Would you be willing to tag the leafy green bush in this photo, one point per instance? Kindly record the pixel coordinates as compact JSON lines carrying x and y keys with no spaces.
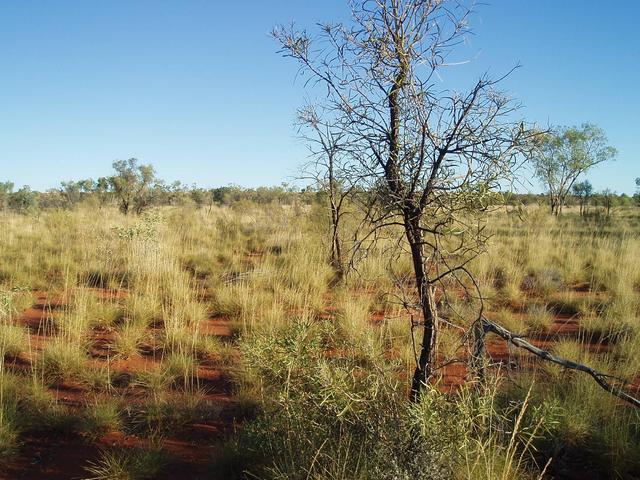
{"x":328,"y":414}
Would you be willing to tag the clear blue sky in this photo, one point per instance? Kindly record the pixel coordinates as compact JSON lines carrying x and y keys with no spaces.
{"x":196,"y":88}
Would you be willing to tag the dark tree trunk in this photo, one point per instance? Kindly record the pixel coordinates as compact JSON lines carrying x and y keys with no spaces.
{"x":411,"y":219}
{"x":336,"y":251}
{"x":428,"y":309}
{"x":477,"y":363}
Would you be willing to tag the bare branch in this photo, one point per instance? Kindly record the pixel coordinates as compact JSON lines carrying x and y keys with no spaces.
{"x":599,"y":377}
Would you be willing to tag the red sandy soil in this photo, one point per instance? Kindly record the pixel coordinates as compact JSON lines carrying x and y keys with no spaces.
{"x":513,"y":359}
{"x":44,"y":457}
{"x":54,"y":458}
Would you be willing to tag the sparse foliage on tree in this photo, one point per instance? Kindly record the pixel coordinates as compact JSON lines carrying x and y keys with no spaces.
{"x":133,"y":185}
{"x":199,"y":196}
{"x":23,"y":200}
{"x":430,"y":158}
{"x":5,"y":191}
{"x":329,"y":169}
{"x":102,"y":190}
{"x":562,"y":155}
{"x":608,"y":200}
{"x":74,"y":191}
{"x":583,"y":191}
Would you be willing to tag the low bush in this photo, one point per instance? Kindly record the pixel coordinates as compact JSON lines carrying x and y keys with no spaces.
{"x":333,"y":417}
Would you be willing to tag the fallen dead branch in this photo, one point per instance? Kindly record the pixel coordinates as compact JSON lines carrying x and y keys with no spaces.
{"x":601,"y":379}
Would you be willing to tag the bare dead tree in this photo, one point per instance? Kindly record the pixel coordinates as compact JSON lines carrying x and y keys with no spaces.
{"x":430,"y":158}
{"x":328,"y":169}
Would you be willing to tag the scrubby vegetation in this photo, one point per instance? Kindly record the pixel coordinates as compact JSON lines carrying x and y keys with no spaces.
{"x":125,"y":335}
{"x":401,"y":318}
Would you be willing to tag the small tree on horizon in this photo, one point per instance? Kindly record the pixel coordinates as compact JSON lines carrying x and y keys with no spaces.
{"x":133,"y":185}
{"x":23,"y":200}
{"x":609,"y":200}
{"x":73,"y":191}
{"x":562,"y":155}
{"x":583,"y":190}
{"x":6,"y":188}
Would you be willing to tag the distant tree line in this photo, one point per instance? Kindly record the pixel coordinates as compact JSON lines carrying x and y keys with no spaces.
{"x":23,"y":200}
{"x":581,"y":196}
{"x":134,"y":187}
